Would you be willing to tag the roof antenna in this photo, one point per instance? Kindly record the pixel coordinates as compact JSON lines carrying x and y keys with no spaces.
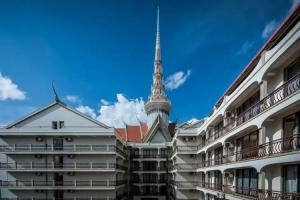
{"x":54,"y":91}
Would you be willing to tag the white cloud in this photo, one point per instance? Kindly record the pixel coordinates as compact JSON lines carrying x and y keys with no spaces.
{"x":245,"y":48}
{"x":294,"y":4}
{"x":177,"y":79}
{"x":87,"y":111}
{"x":9,"y":90}
{"x":123,"y":110}
{"x":104,"y":102}
{"x":73,"y":99}
{"x":269,"y":29}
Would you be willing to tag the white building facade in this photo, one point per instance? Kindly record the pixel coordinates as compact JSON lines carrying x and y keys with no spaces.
{"x":247,"y":148}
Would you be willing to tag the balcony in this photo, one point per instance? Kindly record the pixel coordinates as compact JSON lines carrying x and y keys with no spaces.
{"x":254,"y":193}
{"x":187,"y":166}
{"x":154,"y":156}
{"x":273,"y":148}
{"x":187,"y":184}
{"x":66,"y":149}
{"x":185,"y":149}
{"x":149,"y":181}
{"x":147,"y":169}
{"x":75,"y":198}
{"x":75,"y":184}
{"x":74,"y":166}
{"x":287,"y":89}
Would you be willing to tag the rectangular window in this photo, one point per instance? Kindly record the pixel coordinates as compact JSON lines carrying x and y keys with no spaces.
{"x":54,"y":124}
{"x":291,"y":70}
{"x":61,"y":124}
{"x":245,"y":146}
{"x":247,"y":181}
{"x":291,"y":179}
{"x":248,"y":103}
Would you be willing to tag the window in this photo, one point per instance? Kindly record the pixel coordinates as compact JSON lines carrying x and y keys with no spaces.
{"x":292,"y":70}
{"x":218,"y":130}
{"x":218,"y":155}
{"x":247,"y":181}
{"x":58,"y":124}
{"x":61,"y":124}
{"x":248,"y":103}
{"x":291,"y":124}
{"x":163,"y":153}
{"x":291,"y":178}
{"x":247,"y":142}
{"x":54,"y":124}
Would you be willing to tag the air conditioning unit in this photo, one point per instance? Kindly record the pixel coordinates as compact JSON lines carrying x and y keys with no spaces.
{"x":71,"y":173}
{"x":193,"y":156}
{"x":69,"y":139}
{"x":229,"y":145}
{"x":38,"y":156}
{"x":71,"y":156}
{"x":39,"y":139}
{"x":38,"y":173}
{"x":229,"y":114}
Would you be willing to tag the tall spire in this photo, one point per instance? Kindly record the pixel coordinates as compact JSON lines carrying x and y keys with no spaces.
{"x":158,"y":102}
{"x":158,"y":88}
{"x":157,"y":46}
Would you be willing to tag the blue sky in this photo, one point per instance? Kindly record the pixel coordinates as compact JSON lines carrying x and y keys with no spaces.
{"x":100,"y":53}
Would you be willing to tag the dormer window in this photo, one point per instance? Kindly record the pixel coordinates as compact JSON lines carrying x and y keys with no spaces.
{"x":58,"y":124}
{"x":61,"y":124}
{"x":54,"y":125}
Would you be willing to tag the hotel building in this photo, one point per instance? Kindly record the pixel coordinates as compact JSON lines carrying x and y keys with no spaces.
{"x":247,"y":148}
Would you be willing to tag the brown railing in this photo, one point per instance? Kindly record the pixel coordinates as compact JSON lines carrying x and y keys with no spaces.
{"x":260,"y":194}
{"x":283,"y":145}
{"x":287,"y":89}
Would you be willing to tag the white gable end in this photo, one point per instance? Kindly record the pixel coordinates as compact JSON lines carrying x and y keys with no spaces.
{"x":57,"y":112}
{"x":158,"y":137}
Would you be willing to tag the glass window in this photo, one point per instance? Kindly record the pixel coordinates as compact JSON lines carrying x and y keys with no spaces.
{"x":291,"y":179}
{"x":292,"y":70}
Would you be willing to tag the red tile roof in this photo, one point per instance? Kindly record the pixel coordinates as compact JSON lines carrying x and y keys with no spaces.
{"x":136,"y":133}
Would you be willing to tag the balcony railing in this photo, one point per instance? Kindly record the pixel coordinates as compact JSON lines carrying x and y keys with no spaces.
{"x":52,"y":165}
{"x":74,"y":198}
{"x":154,"y":181}
{"x":149,"y":156}
{"x":287,"y":89}
{"x":20,"y":148}
{"x":74,"y":184}
{"x":280,"y":146}
{"x":187,"y":149}
{"x":161,"y":168}
{"x":255,"y":193}
{"x":187,"y":166}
